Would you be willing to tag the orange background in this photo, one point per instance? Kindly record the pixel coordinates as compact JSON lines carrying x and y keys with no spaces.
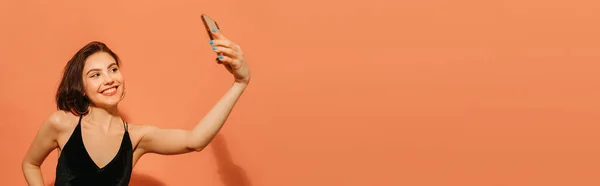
{"x":348,"y":93}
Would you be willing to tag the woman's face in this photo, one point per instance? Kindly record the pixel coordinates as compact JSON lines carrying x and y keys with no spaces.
{"x":102,"y":80}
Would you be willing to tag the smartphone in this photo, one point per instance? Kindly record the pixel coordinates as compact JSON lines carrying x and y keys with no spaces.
{"x":210,"y":25}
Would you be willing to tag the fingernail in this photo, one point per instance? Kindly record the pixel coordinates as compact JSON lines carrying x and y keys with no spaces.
{"x":211,"y":42}
{"x":214,"y":48}
{"x":214,"y":30}
{"x":220,"y":57}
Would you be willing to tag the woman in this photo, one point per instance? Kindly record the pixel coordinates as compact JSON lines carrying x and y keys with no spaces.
{"x":96,"y":147}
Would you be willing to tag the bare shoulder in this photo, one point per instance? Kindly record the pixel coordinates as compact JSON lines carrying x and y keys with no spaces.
{"x":61,"y":121}
{"x":137,"y":133}
{"x":140,"y":129}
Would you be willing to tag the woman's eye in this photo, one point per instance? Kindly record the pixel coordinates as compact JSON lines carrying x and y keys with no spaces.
{"x":94,"y":75}
{"x":115,"y":69}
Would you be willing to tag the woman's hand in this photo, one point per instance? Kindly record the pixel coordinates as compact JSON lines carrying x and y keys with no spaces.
{"x":231,"y":56}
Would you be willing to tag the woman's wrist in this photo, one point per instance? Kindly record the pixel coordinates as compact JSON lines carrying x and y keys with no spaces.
{"x":240,"y":84}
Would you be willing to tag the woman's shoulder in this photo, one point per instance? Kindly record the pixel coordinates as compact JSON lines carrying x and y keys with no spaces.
{"x":140,"y":128}
{"x":61,"y":120}
{"x":138,"y":131}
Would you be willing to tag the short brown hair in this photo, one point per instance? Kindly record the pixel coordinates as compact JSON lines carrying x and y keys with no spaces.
{"x":70,"y":94}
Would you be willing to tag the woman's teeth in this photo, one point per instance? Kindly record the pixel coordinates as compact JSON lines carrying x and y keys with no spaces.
{"x":111,"y":90}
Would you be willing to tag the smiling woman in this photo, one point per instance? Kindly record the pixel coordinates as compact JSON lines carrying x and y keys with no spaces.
{"x":71,"y":95}
{"x":95,"y":145}
{"x":103,"y":79}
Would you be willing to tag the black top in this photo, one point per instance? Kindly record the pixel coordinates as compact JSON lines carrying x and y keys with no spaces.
{"x":75,"y":166}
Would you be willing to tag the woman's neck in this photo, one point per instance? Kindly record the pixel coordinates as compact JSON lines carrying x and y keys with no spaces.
{"x":103,"y":117}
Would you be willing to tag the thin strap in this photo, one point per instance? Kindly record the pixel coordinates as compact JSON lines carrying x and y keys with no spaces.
{"x":125,"y":124}
{"x":80,"y":116}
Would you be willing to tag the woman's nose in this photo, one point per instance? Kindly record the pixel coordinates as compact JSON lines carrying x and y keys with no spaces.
{"x":108,"y":80}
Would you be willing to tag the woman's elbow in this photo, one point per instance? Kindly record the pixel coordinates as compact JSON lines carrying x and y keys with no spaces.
{"x":26,"y":163}
{"x":196,"y":147}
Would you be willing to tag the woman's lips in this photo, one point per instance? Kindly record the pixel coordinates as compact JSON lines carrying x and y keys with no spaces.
{"x":110,"y":91}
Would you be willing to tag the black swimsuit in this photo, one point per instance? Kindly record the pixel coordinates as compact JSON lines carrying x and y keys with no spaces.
{"x":75,"y":166}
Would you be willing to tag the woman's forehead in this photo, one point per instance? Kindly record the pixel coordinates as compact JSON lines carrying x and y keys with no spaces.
{"x":99,"y":60}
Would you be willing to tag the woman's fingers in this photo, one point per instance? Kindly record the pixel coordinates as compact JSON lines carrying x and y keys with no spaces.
{"x":229,"y":52}
{"x":223,"y":43}
{"x":225,"y":59}
{"x":225,"y":51}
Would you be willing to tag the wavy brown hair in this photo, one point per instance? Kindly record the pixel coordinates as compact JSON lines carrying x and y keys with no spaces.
{"x":70,"y":94}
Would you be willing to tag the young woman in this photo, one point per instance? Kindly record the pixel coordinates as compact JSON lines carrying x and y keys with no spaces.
{"x":96,"y":147}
